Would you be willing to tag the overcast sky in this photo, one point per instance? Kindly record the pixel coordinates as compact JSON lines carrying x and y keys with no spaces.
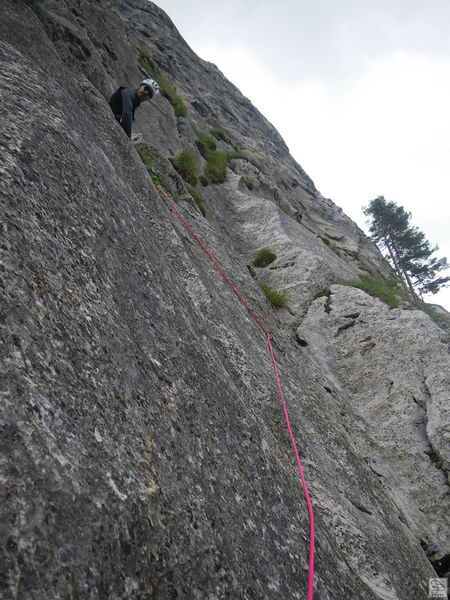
{"x":359,"y":90}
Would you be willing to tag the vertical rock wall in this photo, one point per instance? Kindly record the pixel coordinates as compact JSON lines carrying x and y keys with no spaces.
{"x":144,"y":453}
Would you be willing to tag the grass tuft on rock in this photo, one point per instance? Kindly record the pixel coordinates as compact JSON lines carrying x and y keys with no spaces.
{"x":198,"y":199}
{"x":264,"y":257}
{"x":147,"y":159}
{"x":384,"y":289}
{"x":216,"y":166}
{"x":205,"y":142}
{"x":216,"y":162}
{"x":276,"y":298}
{"x":185,"y":165}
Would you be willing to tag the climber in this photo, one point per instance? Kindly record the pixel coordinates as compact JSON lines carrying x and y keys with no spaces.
{"x":125,"y":101}
{"x":324,"y":240}
{"x":299,"y":216}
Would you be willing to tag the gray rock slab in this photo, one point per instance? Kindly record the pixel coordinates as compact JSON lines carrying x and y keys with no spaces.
{"x":144,"y":452}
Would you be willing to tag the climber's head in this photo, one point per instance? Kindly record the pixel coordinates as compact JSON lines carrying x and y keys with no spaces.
{"x":147,"y":89}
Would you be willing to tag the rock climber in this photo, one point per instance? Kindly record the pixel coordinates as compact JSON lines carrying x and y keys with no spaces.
{"x":299,"y":216}
{"x":125,"y":101}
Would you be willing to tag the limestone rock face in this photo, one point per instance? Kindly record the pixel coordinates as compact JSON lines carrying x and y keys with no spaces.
{"x":389,"y":371}
{"x":144,"y":449}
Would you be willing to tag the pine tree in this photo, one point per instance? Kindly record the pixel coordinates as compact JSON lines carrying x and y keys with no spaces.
{"x":408,"y":250}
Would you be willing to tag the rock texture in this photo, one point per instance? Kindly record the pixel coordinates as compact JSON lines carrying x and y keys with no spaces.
{"x":388,"y":370}
{"x":144,"y":451}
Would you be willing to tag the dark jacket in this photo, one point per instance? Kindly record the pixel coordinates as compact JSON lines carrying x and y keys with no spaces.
{"x":123,"y":103}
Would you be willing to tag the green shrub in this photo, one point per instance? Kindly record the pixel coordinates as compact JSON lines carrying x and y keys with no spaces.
{"x":216,"y":166}
{"x":276,"y":298}
{"x":179,"y":108}
{"x":198,"y":199}
{"x":185,"y":165}
{"x":385,"y":289}
{"x":216,"y":162}
{"x":249,"y":182}
{"x":205,"y":142}
{"x":264,"y":257}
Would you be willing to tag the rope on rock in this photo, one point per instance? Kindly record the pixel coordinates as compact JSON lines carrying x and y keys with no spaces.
{"x":300,"y":470}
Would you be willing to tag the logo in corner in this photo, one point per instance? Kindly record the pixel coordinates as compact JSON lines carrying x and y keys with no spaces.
{"x":437,"y":588}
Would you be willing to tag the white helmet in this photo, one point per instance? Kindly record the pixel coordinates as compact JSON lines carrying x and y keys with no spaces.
{"x":152,"y":84}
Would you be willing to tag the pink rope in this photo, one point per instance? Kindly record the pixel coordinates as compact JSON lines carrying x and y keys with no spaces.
{"x":305,"y":490}
{"x":211,"y":258}
{"x":300,"y":470}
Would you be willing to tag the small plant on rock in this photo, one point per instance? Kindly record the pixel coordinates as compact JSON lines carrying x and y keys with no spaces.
{"x":185,"y":165}
{"x":216,"y":166}
{"x":205,"y":142}
{"x":198,"y":199}
{"x":435,"y":458}
{"x":386,"y":289}
{"x":276,"y":298}
{"x":264,"y":257}
{"x":216,"y":161}
{"x":147,"y":159}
